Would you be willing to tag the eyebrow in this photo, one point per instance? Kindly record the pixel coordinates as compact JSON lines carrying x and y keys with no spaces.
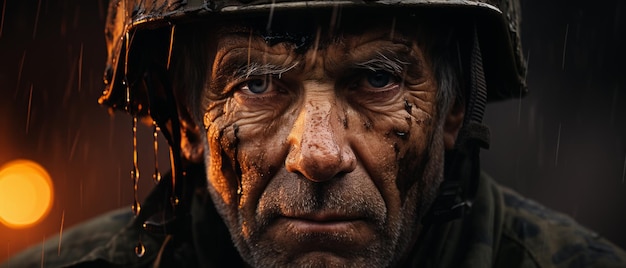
{"x":396,"y":59}
{"x":391,"y":63}
{"x":257,"y":69}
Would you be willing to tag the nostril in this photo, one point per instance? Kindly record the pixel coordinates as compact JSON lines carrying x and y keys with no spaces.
{"x":319,"y":167}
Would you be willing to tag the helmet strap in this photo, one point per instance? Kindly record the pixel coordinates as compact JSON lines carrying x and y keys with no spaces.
{"x":462,"y":164}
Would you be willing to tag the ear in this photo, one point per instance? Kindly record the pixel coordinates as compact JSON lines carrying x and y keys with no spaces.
{"x":453,"y":123}
{"x":190,"y":140}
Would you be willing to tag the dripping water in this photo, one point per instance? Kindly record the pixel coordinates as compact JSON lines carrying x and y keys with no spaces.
{"x":140,"y":249}
{"x":249,"y":50}
{"x":36,"y":19}
{"x":30,"y":100}
{"x":169,"y":53}
{"x":268,"y":27}
{"x":156,"y":177}
{"x":134,"y":173}
{"x":19,"y":74}
{"x":80,"y":68}
{"x":173,"y":199}
{"x":61,"y":232}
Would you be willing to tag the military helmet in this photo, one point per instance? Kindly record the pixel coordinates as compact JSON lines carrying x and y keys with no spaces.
{"x":497,"y":29}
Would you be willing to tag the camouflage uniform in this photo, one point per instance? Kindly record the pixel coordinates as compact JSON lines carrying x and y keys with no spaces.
{"x":502,"y":230}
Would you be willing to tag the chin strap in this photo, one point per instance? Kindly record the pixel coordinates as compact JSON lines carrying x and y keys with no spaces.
{"x":462,"y":165}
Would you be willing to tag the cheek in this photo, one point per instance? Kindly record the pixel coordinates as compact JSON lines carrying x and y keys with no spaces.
{"x":247,"y":146}
{"x":221,"y":140}
{"x":392,"y":142}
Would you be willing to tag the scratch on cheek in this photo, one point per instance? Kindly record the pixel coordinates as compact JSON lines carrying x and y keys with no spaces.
{"x":424,"y":122}
{"x":408,"y":106}
{"x":367,"y":124}
{"x":235,"y":160}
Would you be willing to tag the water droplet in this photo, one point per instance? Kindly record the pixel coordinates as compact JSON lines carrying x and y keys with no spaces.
{"x":140,"y":249}
{"x":174,"y":200}
{"x":136,"y":207}
{"x":156,"y":177}
{"x":134,"y":173}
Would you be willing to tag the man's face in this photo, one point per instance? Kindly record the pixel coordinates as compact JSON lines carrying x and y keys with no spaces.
{"x":327,"y":156}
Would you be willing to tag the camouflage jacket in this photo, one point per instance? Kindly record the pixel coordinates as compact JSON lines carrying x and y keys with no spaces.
{"x":502,"y":230}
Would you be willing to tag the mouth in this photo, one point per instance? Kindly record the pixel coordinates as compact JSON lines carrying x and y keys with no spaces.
{"x":323,"y":223}
{"x":326,"y":232}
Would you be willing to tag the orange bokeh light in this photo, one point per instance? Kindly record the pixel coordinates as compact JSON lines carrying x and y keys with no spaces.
{"x":26,"y":193}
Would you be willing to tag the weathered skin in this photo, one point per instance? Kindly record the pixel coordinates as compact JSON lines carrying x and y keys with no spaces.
{"x":335,"y":163}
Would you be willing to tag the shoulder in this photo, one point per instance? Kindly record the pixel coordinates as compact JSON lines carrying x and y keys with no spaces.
{"x":74,"y":243}
{"x":535,"y":234}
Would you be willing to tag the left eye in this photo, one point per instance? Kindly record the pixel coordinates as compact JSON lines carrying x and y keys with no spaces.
{"x":256,"y":86}
{"x":379,"y":79}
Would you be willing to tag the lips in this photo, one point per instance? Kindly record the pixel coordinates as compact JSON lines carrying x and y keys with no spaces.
{"x":325,"y":217}
{"x":321,"y":232}
{"x":331,"y":223}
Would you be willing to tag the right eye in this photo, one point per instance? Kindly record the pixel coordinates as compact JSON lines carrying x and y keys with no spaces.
{"x":379,"y":79}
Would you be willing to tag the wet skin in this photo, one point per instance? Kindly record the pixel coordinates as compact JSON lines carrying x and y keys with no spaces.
{"x":327,"y":157}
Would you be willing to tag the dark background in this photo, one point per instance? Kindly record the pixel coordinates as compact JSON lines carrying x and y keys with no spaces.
{"x":563,"y":145}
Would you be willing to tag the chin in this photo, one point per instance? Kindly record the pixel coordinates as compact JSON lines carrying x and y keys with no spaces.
{"x":327,"y":259}
{"x":320,"y":259}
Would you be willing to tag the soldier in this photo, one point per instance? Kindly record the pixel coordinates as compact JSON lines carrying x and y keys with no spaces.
{"x":322,"y":134}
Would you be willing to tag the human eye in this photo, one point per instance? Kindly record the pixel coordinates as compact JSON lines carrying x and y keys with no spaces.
{"x":376,"y":81}
{"x":257,"y":86}
{"x":379,"y":79}
{"x":260,"y":90}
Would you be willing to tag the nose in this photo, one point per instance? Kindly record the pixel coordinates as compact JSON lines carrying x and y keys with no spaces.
{"x":319,"y":148}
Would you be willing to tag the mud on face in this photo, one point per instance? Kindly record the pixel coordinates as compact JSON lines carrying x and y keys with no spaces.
{"x":327,"y":156}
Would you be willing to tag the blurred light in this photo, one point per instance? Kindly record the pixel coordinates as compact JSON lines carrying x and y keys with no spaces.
{"x":26,"y":193}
